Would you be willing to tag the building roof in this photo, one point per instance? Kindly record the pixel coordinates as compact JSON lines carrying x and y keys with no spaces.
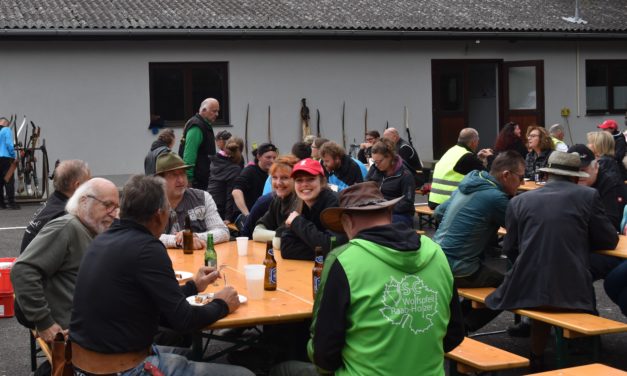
{"x":507,"y":16}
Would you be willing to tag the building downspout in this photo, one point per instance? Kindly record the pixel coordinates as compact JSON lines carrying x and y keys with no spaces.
{"x":578,"y":91}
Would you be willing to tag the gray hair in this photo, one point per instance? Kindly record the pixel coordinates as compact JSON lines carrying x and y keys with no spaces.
{"x":205,"y":104}
{"x":555,"y":129}
{"x":68,"y":172}
{"x":85,"y":189}
{"x":142,"y":197}
{"x":467,"y":135}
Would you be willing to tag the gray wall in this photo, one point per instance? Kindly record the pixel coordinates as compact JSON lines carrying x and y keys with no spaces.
{"x":92,"y":99}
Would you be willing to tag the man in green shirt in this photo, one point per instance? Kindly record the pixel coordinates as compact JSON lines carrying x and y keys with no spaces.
{"x":198,"y":143}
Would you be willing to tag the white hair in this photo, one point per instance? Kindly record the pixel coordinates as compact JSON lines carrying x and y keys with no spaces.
{"x":205,"y":104}
{"x":90,"y":187}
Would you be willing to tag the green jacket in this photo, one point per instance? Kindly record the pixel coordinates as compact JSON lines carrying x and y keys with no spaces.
{"x":391,"y":307}
{"x":45,"y":274}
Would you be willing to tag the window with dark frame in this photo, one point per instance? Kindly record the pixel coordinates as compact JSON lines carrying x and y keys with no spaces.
{"x":606,"y":86}
{"x":177,"y":90}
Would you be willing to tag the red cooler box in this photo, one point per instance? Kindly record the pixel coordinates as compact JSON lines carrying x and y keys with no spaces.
{"x":6,"y":305}
{"x":6,"y":263}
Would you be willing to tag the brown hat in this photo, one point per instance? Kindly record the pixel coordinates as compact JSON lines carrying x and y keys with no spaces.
{"x":358,"y":197}
{"x":170,"y":162}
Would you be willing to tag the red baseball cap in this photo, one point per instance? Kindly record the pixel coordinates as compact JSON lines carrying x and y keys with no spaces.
{"x":608,"y":124}
{"x":309,"y":166}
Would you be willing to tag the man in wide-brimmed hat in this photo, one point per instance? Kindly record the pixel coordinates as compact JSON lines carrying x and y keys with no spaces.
{"x":388,"y":288}
{"x":550,"y":233}
{"x":199,"y":205}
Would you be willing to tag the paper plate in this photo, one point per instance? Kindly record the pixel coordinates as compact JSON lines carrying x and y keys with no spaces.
{"x":192,"y":299}
{"x":182,"y":276}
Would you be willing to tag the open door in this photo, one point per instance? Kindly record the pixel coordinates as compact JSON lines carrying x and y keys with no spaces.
{"x":522,"y":96}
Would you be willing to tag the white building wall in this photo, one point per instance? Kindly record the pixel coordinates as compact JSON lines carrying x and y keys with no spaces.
{"x":92,"y":98}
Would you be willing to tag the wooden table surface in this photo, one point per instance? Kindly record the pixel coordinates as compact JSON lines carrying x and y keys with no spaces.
{"x":292,"y":301}
{"x":529,"y":185}
{"x":621,"y":248}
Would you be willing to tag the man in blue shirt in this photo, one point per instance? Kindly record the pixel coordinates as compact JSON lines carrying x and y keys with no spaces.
{"x":7,"y":158}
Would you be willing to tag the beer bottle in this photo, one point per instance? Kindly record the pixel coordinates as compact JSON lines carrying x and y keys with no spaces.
{"x":269,"y":282}
{"x":188,"y":237}
{"x":317,"y":269}
{"x":211,"y":258}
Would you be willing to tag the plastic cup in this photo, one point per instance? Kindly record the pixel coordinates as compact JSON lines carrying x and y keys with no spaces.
{"x":242,"y":245}
{"x":254,"y":280}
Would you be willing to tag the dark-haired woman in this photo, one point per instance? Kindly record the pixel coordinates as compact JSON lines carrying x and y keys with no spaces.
{"x":226,"y":165}
{"x":394,"y":179}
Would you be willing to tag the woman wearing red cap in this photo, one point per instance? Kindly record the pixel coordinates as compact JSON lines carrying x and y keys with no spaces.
{"x":620,"y":144}
{"x":304,"y":229}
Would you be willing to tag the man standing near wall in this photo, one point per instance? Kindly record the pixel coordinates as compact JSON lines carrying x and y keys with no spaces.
{"x":198,"y":143}
{"x":455,"y":164}
{"x":7,"y":158}
{"x":557,"y":135}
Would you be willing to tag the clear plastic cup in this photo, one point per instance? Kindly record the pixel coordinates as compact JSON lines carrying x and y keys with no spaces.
{"x":254,"y":280}
{"x":242,"y":245}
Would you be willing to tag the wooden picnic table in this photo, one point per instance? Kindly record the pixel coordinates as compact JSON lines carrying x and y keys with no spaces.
{"x":529,"y":185}
{"x":292,"y":300}
{"x":621,"y":248}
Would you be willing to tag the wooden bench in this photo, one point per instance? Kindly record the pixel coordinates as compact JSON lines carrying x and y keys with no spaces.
{"x":425,"y":216}
{"x":38,"y":345}
{"x":474,"y":356}
{"x":567,"y":324}
{"x":595,"y":369}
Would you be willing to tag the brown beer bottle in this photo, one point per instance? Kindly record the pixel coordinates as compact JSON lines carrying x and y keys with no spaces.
{"x":269,"y":282}
{"x":188,"y":237}
{"x":317,"y":269}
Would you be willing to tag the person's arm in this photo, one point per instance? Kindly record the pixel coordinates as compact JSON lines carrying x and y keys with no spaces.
{"x":328,"y":329}
{"x":193,"y":139}
{"x":309,"y":234}
{"x":361,"y":155}
{"x":41,"y":260}
{"x":510,"y":241}
{"x":455,"y":331}
{"x":601,"y":232}
{"x":467,"y":163}
{"x":262,"y":234}
{"x":440,"y":211}
{"x":408,"y":189}
{"x":240,"y":201}
{"x":409,"y":154}
{"x":214,"y":223}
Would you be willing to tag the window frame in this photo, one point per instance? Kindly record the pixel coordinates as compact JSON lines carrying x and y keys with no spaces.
{"x":192,"y":108}
{"x":611,"y":82}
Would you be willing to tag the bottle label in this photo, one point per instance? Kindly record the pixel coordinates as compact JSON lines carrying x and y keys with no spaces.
{"x":319,"y":259}
{"x":272,"y":276}
{"x":271,"y":251}
{"x":212,"y":262}
{"x":316,"y":284}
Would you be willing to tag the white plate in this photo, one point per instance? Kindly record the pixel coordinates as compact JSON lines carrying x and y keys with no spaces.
{"x":192,"y":299}
{"x":184,"y":275}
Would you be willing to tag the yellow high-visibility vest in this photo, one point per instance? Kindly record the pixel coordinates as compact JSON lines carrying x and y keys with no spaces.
{"x":445,"y":179}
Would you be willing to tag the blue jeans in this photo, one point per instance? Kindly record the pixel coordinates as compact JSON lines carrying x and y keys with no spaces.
{"x":176,"y":365}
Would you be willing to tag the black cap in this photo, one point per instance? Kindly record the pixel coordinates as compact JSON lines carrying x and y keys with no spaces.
{"x":586,"y":156}
{"x":223,"y":135}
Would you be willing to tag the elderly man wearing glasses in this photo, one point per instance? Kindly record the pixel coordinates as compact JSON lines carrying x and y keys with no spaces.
{"x":44,"y":275}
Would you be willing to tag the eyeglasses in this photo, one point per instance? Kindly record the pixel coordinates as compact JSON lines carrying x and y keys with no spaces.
{"x":521,"y":177}
{"x":369,"y":139}
{"x":378,"y":162}
{"x":108,"y":205}
{"x":533,"y":135}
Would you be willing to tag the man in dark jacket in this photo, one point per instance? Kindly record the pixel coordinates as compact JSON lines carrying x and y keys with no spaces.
{"x":129,"y":271}
{"x":249,"y":184}
{"x":68,"y":176}
{"x":339,"y":168}
{"x":163,"y":144}
{"x":469,"y":221}
{"x":404,"y":149}
{"x":620,"y":144}
{"x":198,"y":143}
{"x":612,"y":192}
{"x":550,"y":233}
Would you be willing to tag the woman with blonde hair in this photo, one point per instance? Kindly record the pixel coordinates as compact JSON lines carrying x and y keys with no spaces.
{"x":540,"y":148}
{"x":602,"y":145}
{"x":272,"y":223}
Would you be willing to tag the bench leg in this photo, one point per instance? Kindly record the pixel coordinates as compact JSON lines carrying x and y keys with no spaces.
{"x":33,"y":353}
{"x":561,"y":348}
{"x":197,"y":349}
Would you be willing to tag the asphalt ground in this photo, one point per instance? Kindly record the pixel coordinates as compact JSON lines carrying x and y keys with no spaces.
{"x":14,"y":339}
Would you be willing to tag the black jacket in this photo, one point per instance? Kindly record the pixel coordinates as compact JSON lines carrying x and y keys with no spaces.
{"x":150,"y":162}
{"x":611,"y":188}
{"x":279,"y":210}
{"x":206,"y":149}
{"x":409,"y":154}
{"x":349,"y":171}
{"x":620,"y":148}
{"x":307,"y":232}
{"x":550,"y":234}
{"x":400,"y":183}
{"x":221,"y":183}
{"x":53,"y":208}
